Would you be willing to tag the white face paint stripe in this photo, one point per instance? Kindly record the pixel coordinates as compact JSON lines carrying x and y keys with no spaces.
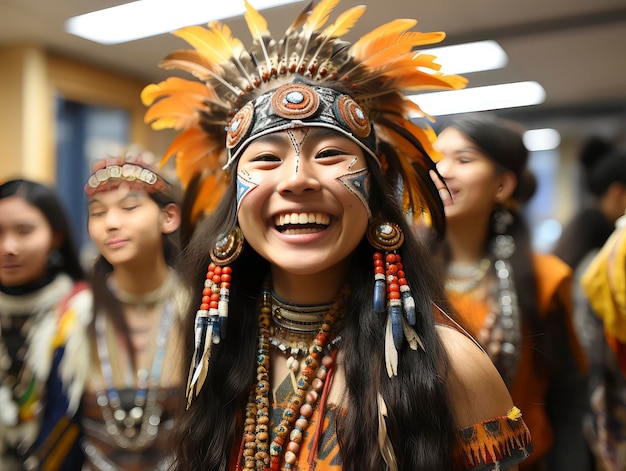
{"x":296,"y":148}
{"x":351,"y":164}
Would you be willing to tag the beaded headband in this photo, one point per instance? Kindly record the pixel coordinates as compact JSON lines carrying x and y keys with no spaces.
{"x":309,"y":76}
{"x":111,"y":173}
{"x":299,"y":104}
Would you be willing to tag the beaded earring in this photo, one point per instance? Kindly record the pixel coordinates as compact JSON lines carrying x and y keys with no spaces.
{"x":212,"y":317}
{"x":392,"y":294}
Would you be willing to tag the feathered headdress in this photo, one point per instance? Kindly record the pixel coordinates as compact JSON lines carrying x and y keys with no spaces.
{"x":309,"y":77}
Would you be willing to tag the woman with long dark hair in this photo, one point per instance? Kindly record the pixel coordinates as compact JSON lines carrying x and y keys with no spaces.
{"x":312,"y":342}
{"x":42,"y":296}
{"x":516,"y":303}
{"x":130,"y":393}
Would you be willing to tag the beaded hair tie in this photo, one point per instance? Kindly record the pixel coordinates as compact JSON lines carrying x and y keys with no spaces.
{"x":392,"y":294}
{"x":212,"y":317}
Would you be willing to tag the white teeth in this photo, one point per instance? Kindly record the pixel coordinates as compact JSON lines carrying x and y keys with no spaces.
{"x":303,"y":230}
{"x":302,"y":218}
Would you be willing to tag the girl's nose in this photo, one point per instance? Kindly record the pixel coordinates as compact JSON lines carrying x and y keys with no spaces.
{"x":299,"y":177}
{"x":8,"y":244}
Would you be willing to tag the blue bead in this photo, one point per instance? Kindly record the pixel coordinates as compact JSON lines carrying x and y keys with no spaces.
{"x":396,"y":326}
{"x":408,"y":303}
{"x":379,"y":296}
{"x":294,"y":97}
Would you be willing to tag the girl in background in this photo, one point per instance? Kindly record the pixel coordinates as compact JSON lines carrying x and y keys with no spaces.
{"x":516,"y":303}
{"x":132,"y":389}
{"x":43,"y":304}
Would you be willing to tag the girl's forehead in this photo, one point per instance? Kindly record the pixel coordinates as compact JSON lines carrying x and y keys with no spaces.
{"x":123,"y":191}
{"x":310,"y":132}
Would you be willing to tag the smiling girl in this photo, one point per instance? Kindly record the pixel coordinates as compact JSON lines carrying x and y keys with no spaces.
{"x":516,"y":303}
{"x":312,"y":340}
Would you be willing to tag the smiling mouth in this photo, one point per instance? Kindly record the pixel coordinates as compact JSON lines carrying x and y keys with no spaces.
{"x":301,"y":223}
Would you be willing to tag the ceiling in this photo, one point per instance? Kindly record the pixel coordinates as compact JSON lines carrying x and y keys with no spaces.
{"x":574,"y":48}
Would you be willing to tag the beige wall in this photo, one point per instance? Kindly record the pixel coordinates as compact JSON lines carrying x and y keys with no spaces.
{"x":31,"y":80}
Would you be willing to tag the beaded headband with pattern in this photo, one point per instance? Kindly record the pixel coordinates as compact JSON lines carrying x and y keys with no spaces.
{"x":309,"y":77}
{"x":110,"y":173}
{"x":299,"y":104}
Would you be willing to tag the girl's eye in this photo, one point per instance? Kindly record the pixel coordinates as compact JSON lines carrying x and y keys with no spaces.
{"x":130,"y":208}
{"x":96,"y":214}
{"x":266,"y":158}
{"x":329,"y":153}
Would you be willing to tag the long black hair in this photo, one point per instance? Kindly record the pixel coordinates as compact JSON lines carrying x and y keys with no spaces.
{"x":420,"y":422}
{"x":47,"y":201}
{"x":501,"y":140}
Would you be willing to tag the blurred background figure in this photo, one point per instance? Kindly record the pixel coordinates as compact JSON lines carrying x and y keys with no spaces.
{"x":604,"y":172}
{"x":604,"y":179}
{"x":516,"y":303}
{"x":604,"y":184}
{"x":41,"y":295}
{"x":133,"y":387}
{"x":604,"y":284}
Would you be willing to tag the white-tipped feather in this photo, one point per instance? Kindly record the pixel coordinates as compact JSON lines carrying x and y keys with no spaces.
{"x":411,"y":336}
{"x":391,"y":354}
{"x":200,"y":374}
{"x":384,"y":444}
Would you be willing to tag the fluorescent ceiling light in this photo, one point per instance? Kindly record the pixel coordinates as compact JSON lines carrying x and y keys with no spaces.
{"x":542,"y":139}
{"x":492,"y":97}
{"x":146,"y":18}
{"x":469,"y":57}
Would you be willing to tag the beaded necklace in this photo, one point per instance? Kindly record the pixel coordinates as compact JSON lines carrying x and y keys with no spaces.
{"x":501,"y":333}
{"x":293,"y":327}
{"x":138,"y":427}
{"x":463,"y":278}
{"x":257,"y":452}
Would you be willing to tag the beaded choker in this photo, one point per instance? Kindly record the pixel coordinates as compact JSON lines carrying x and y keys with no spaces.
{"x":142,"y":301}
{"x":463,"y":278}
{"x":293,"y":327}
{"x":257,"y":452}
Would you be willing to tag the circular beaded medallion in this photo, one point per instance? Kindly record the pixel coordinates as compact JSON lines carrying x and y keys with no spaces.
{"x":352,"y":116}
{"x":295,"y":101}
{"x":385,"y":236}
{"x":239,"y":125}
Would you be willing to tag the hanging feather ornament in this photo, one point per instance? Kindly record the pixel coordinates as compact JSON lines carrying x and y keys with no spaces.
{"x":376,"y":71}
{"x":384,"y":443}
{"x":392,"y":294}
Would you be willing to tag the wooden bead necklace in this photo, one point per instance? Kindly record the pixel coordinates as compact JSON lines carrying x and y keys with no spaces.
{"x":256,"y":451}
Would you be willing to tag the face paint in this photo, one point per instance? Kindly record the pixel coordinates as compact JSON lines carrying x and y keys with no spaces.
{"x":297,"y":146}
{"x":358,"y":183}
{"x":244,"y":186}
